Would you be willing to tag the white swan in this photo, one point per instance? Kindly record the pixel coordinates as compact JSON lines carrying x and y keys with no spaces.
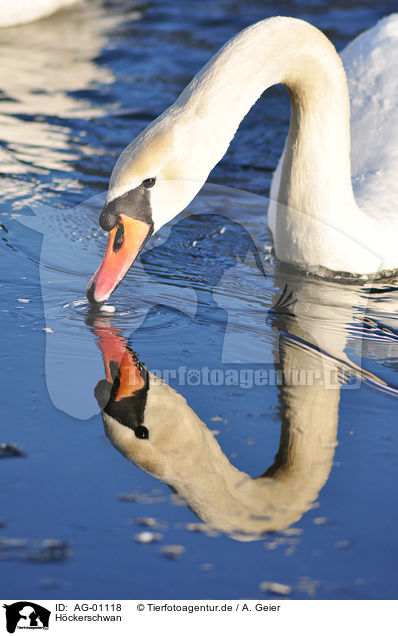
{"x":14,"y":12}
{"x":314,"y":218}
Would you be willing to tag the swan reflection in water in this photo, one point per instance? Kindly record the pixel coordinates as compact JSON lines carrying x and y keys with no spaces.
{"x":152,"y":425}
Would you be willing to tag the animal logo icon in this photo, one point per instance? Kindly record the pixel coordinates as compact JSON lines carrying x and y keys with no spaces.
{"x":25,"y":614}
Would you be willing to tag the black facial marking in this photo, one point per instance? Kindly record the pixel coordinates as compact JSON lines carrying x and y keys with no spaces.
{"x":136,"y":204}
{"x":118,"y":242}
{"x":128,"y":411}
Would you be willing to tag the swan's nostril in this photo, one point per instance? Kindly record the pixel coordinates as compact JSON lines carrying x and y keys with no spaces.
{"x":119,"y":238}
{"x":90,"y":292}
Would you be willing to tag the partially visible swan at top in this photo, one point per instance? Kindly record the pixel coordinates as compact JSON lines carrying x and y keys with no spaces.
{"x":14,"y":12}
{"x":315,"y":220}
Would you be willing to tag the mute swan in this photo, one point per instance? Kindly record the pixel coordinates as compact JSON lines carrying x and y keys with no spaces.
{"x":22,"y":11}
{"x":153,"y":426}
{"x":314,"y":217}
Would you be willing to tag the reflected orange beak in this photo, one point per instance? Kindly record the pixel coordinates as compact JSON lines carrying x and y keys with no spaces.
{"x":124,"y":243}
{"x":115,"y":349}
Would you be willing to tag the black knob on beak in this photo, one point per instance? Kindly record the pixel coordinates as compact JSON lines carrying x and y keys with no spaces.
{"x":108,"y":219}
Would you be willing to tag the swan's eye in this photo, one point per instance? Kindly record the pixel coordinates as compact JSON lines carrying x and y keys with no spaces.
{"x":149,"y":183}
{"x":141,"y":432}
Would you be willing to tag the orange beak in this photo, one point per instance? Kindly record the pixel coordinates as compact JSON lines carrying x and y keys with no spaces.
{"x":124,"y":243}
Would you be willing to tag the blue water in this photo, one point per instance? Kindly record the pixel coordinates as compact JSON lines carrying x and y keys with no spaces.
{"x":93,"y":77}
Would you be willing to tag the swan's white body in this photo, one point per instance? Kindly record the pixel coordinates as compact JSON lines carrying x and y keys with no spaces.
{"x":314,"y":217}
{"x":370,"y":62}
{"x":14,"y":12}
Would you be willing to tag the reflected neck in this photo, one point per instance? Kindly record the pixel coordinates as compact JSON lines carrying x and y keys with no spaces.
{"x":231,"y":500}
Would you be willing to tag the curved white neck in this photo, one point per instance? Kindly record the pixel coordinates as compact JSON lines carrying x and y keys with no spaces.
{"x":313,"y":215}
{"x":291,"y":52}
{"x":315,"y":208}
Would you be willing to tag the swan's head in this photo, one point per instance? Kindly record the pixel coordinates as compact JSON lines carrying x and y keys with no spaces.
{"x":145,"y":419}
{"x":150,"y":184}
{"x":150,"y":423}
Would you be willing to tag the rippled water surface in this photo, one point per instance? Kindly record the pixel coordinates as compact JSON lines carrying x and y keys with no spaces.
{"x":197,"y":309}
